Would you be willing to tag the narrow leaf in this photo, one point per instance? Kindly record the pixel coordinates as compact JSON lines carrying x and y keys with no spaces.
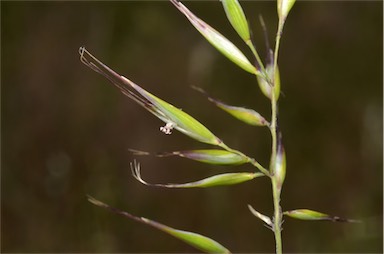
{"x":213,"y":181}
{"x":172,"y":116}
{"x":198,"y":241}
{"x":116,"y":79}
{"x":181,"y":120}
{"x":211,"y":156}
{"x":236,"y":17}
{"x":245,"y":115}
{"x":306,"y":214}
{"x":235,"y":157}
{"x":221,"y":43}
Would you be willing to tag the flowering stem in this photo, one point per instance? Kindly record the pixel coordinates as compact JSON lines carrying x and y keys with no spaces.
{"x":276,"y":186}
{"x":277,"y":218}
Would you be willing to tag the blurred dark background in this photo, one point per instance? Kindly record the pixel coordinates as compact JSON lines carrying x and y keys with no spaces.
{"x":66,"y":132}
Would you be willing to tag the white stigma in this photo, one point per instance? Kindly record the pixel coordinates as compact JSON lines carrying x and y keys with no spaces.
{"x":167,"y":129}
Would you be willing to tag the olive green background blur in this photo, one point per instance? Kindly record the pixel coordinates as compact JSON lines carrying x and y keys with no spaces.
{"x":66,"y":131}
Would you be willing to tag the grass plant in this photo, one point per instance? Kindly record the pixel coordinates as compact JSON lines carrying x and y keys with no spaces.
{"x":268,"y":78}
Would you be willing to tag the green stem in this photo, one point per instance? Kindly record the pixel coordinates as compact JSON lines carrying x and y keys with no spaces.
{"x":277,"y":45}
{"x":277,"y":218}
{"x":276,"y":187}
{"x":258,"y":165}
{"x":251,"y":160}
{"x":272,"y":128}
{"x":258,"y":60}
